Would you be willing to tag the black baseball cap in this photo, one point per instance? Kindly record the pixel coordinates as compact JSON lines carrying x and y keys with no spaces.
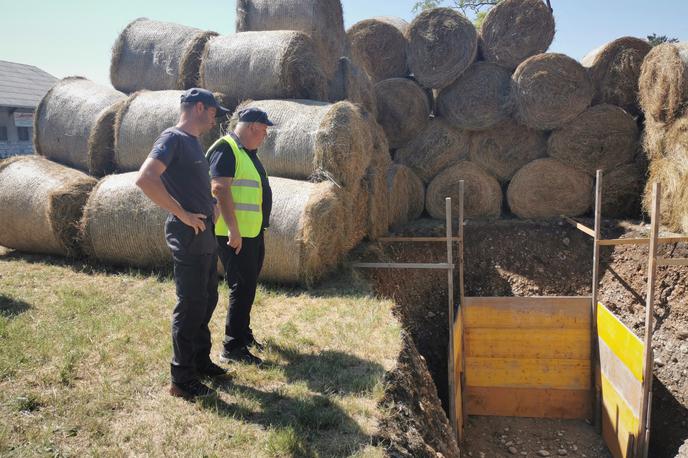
{"x":254,"y":115}
{"x":197,"y":94}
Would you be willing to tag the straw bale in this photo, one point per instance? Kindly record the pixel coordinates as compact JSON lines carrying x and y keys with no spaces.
{"x":403,"y":109}
{"x":315,"y":140}
{"x":406,"y":195}
{"x":157,"y":55}
{"x":353,"y":84}
{"x":514,"y":30}
{"x":614,"y":69}
{"x":278,"y":64}
{"x":101,"y":143}
{"x":549,"y":90}
{"x":622,"y":191}
{"x":437,"y":147}
{"x":122,"y":226}
{"x":139,"y":122}
{"x":602,"y":137}
{"x":322,"y":20}
{"x":546,"y":188}
{"x":308,"y":230}
{"x":68,"y":116}
{"x":505,"y":148}
{"x":378,"y":46}
{"x":478,"y":99}
{"x":663,"y":83}
{"x":442,"y":44}
{"x":41,"y":203}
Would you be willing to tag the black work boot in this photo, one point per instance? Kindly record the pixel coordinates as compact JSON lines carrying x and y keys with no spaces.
{"x":241,"y":355}
{"x":191,"y":390}
{"x":212,"y":370}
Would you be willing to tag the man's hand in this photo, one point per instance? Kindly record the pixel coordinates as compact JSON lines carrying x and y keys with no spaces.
{"x":235,"y":241}
{"x":195,"y":220}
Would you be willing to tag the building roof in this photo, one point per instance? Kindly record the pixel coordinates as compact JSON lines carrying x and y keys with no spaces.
{"x":23,"y":86}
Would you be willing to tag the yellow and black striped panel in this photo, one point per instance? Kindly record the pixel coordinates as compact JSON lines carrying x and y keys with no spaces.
{"x":621,"y":365}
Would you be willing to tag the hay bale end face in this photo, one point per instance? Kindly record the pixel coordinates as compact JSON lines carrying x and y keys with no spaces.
{"x":603,"y":137}
{"x":157,"y":55}
{"x":406,"y":195}
{"x":378,"y":46}
{"x":315,"y":140}
{"x":353,"y":84}
{"x":41,"y":204}
{"x":482,"y":192}
{"x":549,"y":90}
{"x":663,"y":84}
{"x":505,"y":148}
{"x":515,"y":30}
{"x":322,"y":20}
{"x":403,"y":109}
{"x":122,"y":226}
{"x":546,"y":188}
{"x":67,"y":117}
{"x":614,"y":69}
{"x":279,"y":64}
{"x":623,"y":188}
{"x":478,"y":99}
{"x":441,"y":45}
{"x":437,"y":147}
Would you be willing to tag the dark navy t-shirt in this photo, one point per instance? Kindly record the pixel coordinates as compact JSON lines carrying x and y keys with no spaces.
{"x":187,"y":180}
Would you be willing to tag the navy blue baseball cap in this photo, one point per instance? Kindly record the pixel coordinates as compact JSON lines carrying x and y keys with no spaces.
{"x":197,"y":94}
{"x":254,"y":115}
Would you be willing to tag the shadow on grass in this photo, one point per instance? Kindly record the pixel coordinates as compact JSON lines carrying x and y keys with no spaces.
{"x":11,"y":307}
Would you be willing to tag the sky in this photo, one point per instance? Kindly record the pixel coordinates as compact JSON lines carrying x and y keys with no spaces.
{"x":75,"y":37}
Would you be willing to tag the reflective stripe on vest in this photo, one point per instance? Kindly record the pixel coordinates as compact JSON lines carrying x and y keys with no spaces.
{"x":247,"y":193}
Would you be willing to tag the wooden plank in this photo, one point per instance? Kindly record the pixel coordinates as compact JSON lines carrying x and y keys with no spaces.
{"x":672,"y":261}
{"x":528,"y":373}
{"x":401,"y":265}
{"x":528,"y":343}
{"x":529,"y":402}
{"x":579,"y":226}
{"x":645,"y":241}
{"x":619,"y":425}
{"x":597,"y":408}
{"x":450,"y":320}
{"x":417,"y":239}
{"x":620,"y":340}
{"x":527,"y":312}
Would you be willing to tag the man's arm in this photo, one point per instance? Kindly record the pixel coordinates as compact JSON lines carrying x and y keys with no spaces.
{"x":150,"y":183}
{"x":221,"y":189}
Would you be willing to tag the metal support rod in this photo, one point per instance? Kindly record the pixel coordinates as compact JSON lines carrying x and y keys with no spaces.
{"x":596,"y":372}
{"x":450,"y":318}
{"x":649,"y":305}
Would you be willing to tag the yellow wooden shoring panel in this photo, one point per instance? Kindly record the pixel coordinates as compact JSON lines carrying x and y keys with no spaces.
{"x":618,"y":422}
{"x":458,"y":368}
{"x":623,"y":343}
{"x":528,"y":343}
{"x":527,"y":312}
{"x":533,"y":373}
{"x":529,"y":402}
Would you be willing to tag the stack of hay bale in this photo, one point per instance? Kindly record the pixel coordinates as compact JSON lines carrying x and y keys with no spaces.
{"x":525,"y":129}
{"x":664,"y":100}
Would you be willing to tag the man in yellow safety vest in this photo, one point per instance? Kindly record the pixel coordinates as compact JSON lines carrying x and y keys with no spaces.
{"x":240,"y":185}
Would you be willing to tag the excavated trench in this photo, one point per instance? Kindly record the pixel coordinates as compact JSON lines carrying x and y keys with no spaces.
{"x":525,"y":258}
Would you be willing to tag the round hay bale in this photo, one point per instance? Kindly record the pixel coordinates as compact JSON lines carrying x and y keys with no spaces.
{"x":157,"y":55}
{"x":546,"y":188}
{"x":663,"y":83}
{"x":308,"y":230}
{"x":550,"y":90}
{"x":406,"y":195}
{"x":353,"y":84}
{"x":478,"y":99}
{"x":441,"y":45}
{"x":514,"y":30}
{"x":482,"y":192}
{"x":505,"y":148}
{"x":122,"y":226}
{"x":41,"y":203}
{"x":653,"y":138}
{"x":67,"y":117}
{"x":623,"y":188}
{"x":403,"y":109}
{"x":602,"y":137}
{"x":437,"y":147}
{"x":378,"y":46}
{"x":315,"y":140}
{"x":672,"y":172}
{"x":101,"y":143}
{"x":614,"y":69}
{"x":322,"y":20}
{"x":263,"y":65}
{"x":139,"y":122}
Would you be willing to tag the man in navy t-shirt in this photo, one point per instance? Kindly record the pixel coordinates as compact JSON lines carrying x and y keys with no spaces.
{"x":176,"y":177}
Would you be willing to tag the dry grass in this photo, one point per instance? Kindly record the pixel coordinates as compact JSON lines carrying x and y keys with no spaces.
{"x":84,"y":363}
